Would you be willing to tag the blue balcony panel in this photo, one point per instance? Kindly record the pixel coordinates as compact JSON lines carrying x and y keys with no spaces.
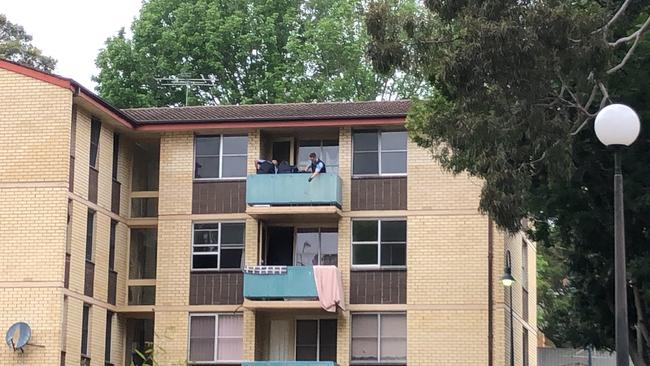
{"x":293,"y":189}
{"x":298,"y":282}
{"x":288,"y":363}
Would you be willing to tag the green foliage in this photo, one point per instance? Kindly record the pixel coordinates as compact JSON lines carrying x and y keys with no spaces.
{"x":517,"y":84}
{"x":255,"y":51}
{"x":15,"y":45}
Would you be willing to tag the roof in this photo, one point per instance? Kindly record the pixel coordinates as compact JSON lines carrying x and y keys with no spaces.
{"x":270,"y":112}
{"x":229,"y":116}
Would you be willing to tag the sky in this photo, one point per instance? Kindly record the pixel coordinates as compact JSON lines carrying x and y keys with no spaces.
{"x":72,"y":31}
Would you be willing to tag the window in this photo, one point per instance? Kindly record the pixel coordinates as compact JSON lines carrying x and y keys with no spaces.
{"x":524,"y":263}
{"x":90,"y":231}
{"x":116,"y":153}
{"x":215,"y":338}
{"x":111,"y":246}
{"x":379,"y":153}
{"x":379,"y":243}
{"x":316,"y":340}
{"x":524,"y":344}
{"x":327,"y":151}
{"x":316,"y":246}
{"x":218,"y":246}
{"x":220,"y":157}
{"x":95,"y":129}
{"x":85,"y":321}
{"x":68,"y":230}
{"x":109,"y":335}
{"x":142,"y":254}
{"x":379,"y":338}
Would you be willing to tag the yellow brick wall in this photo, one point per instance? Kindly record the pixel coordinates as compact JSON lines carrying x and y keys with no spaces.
{"x":170,"y":338}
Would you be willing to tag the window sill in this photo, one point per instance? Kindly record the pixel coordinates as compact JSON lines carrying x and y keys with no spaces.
{"x":234,"y":270}
{"x":378,"y":176}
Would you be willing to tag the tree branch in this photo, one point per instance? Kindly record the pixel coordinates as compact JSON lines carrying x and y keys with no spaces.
{"x":620,"y":11}
{"x":605,"y":99}
{"x":636,"y":35}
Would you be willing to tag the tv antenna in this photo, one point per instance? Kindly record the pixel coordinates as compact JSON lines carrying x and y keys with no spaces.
{"x":185,"y":80}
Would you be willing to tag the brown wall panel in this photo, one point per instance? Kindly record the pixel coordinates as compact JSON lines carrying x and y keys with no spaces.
{"x":115,"y":197}
{"x":66,"y":278}
{"x":378,"y":287}
{"x":93,"y":182}
{"x":219,"y":197}
{"x":216,"y":288}
{"x":112,"y":287}
{"x":378,"y":193}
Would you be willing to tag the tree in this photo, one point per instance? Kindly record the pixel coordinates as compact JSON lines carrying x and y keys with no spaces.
{"x":254,"y":51}
{"x":516,"y":87}
{"x":15,"y":45}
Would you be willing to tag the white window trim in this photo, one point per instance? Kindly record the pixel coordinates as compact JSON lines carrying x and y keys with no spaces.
{"x":221,"y":155}
{"x":218,"y":245}
{"x":379,"y":151}
{"x":378,"y":315}
{"x":216,"y":337}
{"x":378,"y":243}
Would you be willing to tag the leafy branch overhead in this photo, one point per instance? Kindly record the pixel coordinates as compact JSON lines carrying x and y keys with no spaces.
{"x":516,"y":87}
{"x":15,"y":45}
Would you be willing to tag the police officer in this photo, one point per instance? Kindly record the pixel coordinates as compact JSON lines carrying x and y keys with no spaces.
{"x":316,"y":167}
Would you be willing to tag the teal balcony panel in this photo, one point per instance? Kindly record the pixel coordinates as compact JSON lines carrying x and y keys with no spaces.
{"x":298,"y":282}
{"x":288,"y":363}
{"x":293,"y":189}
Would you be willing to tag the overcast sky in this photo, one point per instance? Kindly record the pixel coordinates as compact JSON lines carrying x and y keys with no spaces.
{"x":72,"y":31}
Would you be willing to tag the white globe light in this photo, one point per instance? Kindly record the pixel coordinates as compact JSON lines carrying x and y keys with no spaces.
{"x":617,"y":124}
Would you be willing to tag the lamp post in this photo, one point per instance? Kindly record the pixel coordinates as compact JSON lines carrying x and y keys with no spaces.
{"x":617,"y":126}
{"x":507,"y":281}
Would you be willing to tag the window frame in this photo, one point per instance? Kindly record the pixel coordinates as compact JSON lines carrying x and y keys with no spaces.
{"x":218,"y":269}
{"x":378,"y":314}
{"x":90,"y":235}
{"x":116,"y":156}
{"x":318,"y":337}
{"x":217,"y":316}
{"x":333,"y":167}
{"x":318,"y":230}
{"x":86,"y":329}
{"x":378,"y":265}
{"x":221,"y":155}
{"x":94,"y":121}
{"x":379,"y":152}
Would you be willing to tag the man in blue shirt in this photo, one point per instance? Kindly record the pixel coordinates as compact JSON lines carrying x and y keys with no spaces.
{"x":316,"y":167}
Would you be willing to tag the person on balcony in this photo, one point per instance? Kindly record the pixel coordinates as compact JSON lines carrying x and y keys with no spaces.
{"x":316,"y":166}
{"x":263,"y":166}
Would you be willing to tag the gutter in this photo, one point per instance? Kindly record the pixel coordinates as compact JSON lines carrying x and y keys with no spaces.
{"x":490,"y":293}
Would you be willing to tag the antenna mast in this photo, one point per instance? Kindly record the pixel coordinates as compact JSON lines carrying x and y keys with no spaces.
{"x":185,"y":79}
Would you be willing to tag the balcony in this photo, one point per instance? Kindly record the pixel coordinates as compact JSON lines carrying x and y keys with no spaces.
{"x":297,"y":283}
{"x":285,"y":194}
{"x":288,"y":363}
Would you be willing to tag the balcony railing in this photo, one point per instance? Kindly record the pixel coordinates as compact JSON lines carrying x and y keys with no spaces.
{"x":293,"y":189}
{"x":288,"y":363}
{"x":297,"y":282}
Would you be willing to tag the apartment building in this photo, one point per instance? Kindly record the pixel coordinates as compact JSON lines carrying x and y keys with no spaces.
{"x":126,"y":231}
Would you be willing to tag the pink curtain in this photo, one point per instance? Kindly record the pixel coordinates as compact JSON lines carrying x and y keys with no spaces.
{"x":202,"y":338}
{"x":229,"y":344}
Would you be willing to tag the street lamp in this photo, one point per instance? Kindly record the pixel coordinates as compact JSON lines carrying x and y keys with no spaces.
{"x":617,"y":126}
{"x":507,"y":281}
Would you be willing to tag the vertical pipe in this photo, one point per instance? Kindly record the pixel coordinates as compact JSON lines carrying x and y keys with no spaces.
{"x":622,"y":343}
{"x":490,"y":290}
{"x":512,"y":333}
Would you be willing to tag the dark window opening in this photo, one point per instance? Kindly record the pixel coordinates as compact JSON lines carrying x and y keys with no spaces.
{"x":95,"y":131}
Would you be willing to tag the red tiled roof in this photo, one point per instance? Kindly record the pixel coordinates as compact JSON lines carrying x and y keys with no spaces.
{"x":270,"y":112}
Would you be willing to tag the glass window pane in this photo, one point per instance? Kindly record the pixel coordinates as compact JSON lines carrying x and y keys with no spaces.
{"x":231,"y":258}
{"x":205,"y":261}
{"x":206,"y":237}
{"x":327,"y":340}
{"x":306,"y":353}
{"x":329,"y":242}
{"x":365,"y":141}
{"x":207,"y":145}
{"x":330,"y":155}
{"x":307,"y":244}
{"x":202,"y":327}
{"x":235,"y":145}
{"x":229,"y":349}
{"x":393,"y":254}
{"x":142,"y":254}
{"x":393,"y":140}
{"x":366,"y":163}
{"x":364,"y":349}
{"x":393,"y":325}
{"x":393,"y":162}
{"x":205,"y":249}
{"x":364,"y":254}
{"x":364,"y":325}
{"x":234,"y":166}
{"x":393,"y":231}
{"x":306,"y":340}
{"x":206,"y":167}
{"x":230,"y":326}
{"x":210,"y":226}
{"x":232,"y":233}
{"x":365,"y":230}
{"x":393,"y":349}
{"x":142,"y":295}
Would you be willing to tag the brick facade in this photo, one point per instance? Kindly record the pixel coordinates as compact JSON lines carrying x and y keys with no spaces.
{"x":447,"y":304}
